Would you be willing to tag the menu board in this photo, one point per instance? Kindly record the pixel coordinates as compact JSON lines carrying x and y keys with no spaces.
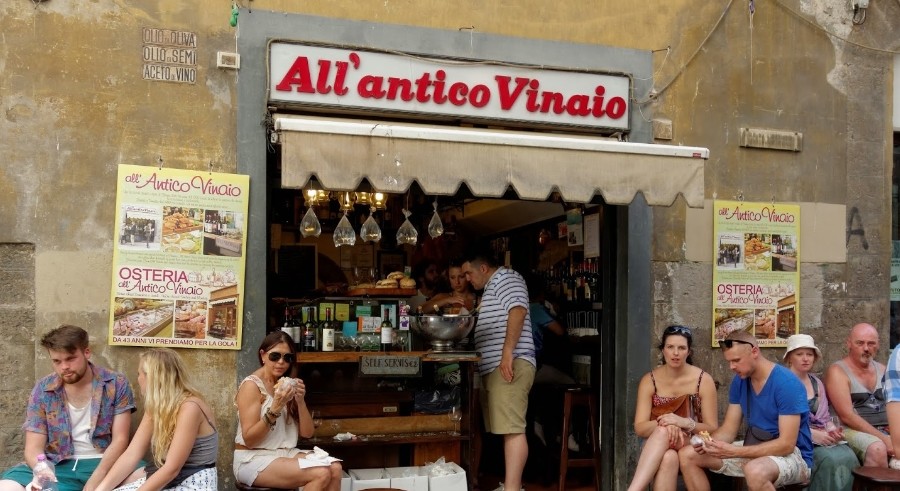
{"x":178,"y":258}
{"x":756,"y":274}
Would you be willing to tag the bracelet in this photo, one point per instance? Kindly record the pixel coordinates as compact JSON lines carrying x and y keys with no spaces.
{"x":692,"y":425}
{"x":273,"y":414}
{"x":269,"y":422}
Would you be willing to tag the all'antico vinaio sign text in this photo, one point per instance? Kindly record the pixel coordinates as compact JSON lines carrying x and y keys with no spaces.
{"x":396,"y":83}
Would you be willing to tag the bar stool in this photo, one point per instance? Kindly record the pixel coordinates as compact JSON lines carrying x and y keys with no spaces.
{"x":875,"y":479}
{"x":579,"y":396}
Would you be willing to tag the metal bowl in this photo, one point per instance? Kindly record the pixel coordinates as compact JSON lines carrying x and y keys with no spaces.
{"x":443,"y":330}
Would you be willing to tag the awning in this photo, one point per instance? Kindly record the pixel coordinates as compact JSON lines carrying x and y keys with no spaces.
{"x":341,"y":153}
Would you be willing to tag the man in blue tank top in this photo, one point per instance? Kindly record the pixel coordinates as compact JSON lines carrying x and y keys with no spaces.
{"x":856,"y":394}
{"x":773,"y":402}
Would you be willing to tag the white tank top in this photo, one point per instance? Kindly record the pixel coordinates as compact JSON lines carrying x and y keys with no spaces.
{"x":81,"y":432}
{"x":284,"y":435}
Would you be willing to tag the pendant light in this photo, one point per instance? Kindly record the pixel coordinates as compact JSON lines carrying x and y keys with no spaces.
{"x":407,"y":234}
{"x":370,"y":231}
{"x":435,"y":227}
{"x":310,"y":225}
{"x":344,"y":233}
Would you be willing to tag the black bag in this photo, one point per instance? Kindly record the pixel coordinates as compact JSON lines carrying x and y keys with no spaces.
{"x":756,"y":436}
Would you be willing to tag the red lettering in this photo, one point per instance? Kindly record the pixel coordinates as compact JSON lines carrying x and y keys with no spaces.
{"x":579,"y":105}
{"x":395,"y":84}
{"x":370,"y":87}
{"x":297,"y":75}
{"x":422,"y":84}
{"x":507,"y":99}
{"x":480,"y":95}
{"x":458,"y":92}
{"x":439,"y":97}
{"x":531,"y":101}
{"x":615,"y":108}
{"x":554,"y":98}
{"x":598,"y":101}
{"x":322,"y":82}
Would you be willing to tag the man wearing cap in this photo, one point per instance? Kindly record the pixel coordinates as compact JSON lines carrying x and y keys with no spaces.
{"x":854,"y":387}
{"x":773,"y":401}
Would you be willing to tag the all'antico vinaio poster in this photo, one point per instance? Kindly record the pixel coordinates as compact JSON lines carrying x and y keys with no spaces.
{"x":178,"y":261}
{"x":756,"y":274}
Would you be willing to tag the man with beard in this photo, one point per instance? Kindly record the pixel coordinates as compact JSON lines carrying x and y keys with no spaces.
{"x":79,"y":416}
{"x":777,"y":448}
{"x":854,"y":388}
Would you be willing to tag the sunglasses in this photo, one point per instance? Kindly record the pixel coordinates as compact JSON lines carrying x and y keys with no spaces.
{"x":679,"y":330}
{"x":289,"y":358}
{"x":728,"y":343}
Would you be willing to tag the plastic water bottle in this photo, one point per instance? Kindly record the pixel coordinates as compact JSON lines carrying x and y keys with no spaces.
{"x":45,"y":473}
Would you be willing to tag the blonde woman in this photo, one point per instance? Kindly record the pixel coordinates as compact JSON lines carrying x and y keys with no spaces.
{"x":460,"y":295}
{"x":178,"y":428}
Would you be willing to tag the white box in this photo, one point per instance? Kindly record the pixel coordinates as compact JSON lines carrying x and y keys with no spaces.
{"x":346,"y":482}
{"x":450,"y":482}
{"x":369,"y":478}
{"x":408,"y":478}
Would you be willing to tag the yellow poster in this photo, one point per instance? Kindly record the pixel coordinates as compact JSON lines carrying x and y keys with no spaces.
{"x":756,"y":273}
{"x":178,"y":260}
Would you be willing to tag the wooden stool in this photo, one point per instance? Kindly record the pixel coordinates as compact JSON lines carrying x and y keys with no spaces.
{"x":580,"y":396}
{"x":242,"y":487}
{"x":875,"y":479}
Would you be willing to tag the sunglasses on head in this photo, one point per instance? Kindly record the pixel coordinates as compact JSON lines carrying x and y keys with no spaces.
{"x":728,"y":343}
{"x":289,"y":358}
{"x":680,"y":330}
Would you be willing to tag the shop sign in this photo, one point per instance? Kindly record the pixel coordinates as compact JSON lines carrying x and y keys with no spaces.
{"x":756,"y":271}
{"x":478,"y":90}
{"x":390,"y":365}
{"x":169,"y":56}
{"x":178,"y":258}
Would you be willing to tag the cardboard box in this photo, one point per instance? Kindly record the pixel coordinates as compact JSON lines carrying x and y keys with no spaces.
{"x":408,"y":478}
{"x":450,"y":482}
{"x":368,"y":478}
{"x":346,"y":482}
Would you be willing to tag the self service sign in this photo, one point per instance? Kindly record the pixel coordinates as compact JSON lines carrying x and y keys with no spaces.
{"x":478,"y":90}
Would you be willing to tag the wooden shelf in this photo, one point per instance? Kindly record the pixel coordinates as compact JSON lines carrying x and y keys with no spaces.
{"x":354,"y":356}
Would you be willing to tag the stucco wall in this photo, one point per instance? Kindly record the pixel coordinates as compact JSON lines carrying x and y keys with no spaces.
{"x":75,"y":106}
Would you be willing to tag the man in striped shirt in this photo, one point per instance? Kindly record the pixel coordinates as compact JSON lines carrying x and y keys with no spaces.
{"x":507,"y":366}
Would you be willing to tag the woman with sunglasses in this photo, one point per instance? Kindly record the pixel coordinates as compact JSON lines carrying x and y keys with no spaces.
{"x":833,"y":460}
{"x":271,"y":416}
{"x":672,"y":380}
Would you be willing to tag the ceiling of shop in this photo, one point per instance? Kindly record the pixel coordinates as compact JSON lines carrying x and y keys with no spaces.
{"x":491,"y":216}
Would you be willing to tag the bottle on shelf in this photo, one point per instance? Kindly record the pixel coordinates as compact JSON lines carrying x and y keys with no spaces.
{"x":387,"y":331}
{"x":328,"y":332}
{"x":309,"y":332}
{"x":288,"y":327}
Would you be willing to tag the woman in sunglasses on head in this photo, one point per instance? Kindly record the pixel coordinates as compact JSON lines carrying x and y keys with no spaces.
{"x":674,"y":400}
{"x":272,"y":413}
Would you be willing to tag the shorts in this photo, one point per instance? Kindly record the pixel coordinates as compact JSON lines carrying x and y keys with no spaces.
{"x":71,"y":474}
{"x":859,"y":442}
{"x":249,"y":463}
{"x":504,"y":403}
{"x":792,"y":469}
{"x":203,"y":480}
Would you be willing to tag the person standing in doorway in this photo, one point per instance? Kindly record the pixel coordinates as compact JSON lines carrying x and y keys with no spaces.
{"x":507,"y":366}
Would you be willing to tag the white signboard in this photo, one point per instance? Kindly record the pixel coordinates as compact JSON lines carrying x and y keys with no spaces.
{"x":346,"y":78}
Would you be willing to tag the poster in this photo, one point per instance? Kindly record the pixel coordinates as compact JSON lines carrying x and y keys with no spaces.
{"x":178,"y":260}
{"x":756,"y":273}
{"x":574,"y":227}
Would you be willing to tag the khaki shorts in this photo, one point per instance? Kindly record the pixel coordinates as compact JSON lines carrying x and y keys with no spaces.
{"x":859,"y":442}
{"x":504,"y":403}
{"x":792,"y":469}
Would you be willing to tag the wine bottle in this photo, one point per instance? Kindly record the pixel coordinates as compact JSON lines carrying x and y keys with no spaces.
{"x":387,"y":331}
{"x":328,"y":332}
{"x":309,"y":333}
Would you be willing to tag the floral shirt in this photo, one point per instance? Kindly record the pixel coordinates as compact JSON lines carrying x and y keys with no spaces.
{"x":48,"y":414}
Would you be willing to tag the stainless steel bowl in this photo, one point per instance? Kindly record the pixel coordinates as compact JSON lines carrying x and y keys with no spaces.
{"x":443,"y":330}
